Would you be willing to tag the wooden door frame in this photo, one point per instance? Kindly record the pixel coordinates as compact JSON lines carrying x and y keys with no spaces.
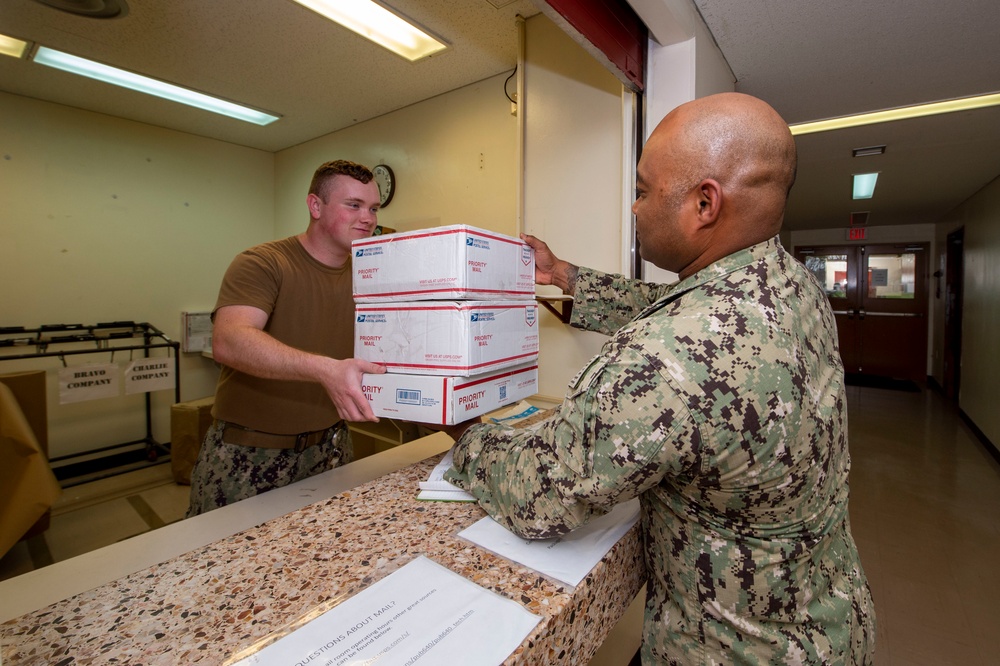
{"x":951,"y":370}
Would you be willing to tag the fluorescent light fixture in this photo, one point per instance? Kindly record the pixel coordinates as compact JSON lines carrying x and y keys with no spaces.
{"x":901,"y":113}
{"x":119,"y":77}
{"x":376,"y":23}
{"x":864,"y":185}
{"x":12,"y":47}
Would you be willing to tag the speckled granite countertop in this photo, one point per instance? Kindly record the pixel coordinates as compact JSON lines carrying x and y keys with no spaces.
{"x":205,"y":605}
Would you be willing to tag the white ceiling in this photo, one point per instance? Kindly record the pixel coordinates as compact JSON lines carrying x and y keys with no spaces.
{"x":814,"y":59}
{"x":810,"y":59}
{"x":274,"y":55}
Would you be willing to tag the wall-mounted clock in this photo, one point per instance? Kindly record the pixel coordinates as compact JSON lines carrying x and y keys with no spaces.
{"x":386,"y":181}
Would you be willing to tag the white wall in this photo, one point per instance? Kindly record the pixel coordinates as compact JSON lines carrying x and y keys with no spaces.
{"x":685,"y":66}
{"x":104,"y":220}
{"x":572,"y":174}
{"x":454,"y":158}
{"x":980,"y":376}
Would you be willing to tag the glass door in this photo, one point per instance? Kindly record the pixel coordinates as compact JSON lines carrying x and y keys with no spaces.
{"x":879,"y":298}
{"x":836,"y":271}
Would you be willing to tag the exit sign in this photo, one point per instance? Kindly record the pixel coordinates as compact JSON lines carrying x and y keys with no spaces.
{"x":857,"y":233}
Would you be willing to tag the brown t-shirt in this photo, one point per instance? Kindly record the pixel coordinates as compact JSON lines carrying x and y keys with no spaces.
{"x":309,"y":307}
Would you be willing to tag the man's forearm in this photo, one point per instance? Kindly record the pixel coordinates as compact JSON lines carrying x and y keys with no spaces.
{"x":255,"y":352}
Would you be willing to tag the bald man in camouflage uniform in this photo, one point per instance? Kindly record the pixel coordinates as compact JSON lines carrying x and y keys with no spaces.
{"x":718,"y":401}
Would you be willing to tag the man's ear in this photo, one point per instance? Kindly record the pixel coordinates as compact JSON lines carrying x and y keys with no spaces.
{"x":313,"y":203}
{"x":709,"y":201}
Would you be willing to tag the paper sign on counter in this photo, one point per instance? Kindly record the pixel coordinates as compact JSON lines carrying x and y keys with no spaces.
{"x":421,"y":614}
{"x":568,"y":558}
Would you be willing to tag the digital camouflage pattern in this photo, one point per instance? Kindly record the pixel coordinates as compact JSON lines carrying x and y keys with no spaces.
{"x":722,"y":406}
{"x":226,"y":473}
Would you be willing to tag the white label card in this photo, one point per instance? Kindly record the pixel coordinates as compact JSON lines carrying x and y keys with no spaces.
{"x":421,"y":614}
{"x":92,"y":381}
{"x":149,"y":374}
{"x":568,"y":558}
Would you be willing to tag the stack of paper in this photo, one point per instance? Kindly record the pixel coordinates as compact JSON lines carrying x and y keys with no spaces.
{"x":435,"y":488}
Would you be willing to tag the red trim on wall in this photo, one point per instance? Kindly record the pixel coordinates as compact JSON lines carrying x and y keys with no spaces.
{"x":614,"y":28}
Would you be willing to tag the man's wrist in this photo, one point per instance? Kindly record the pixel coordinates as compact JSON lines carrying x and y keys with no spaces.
{"x":570,"y":273}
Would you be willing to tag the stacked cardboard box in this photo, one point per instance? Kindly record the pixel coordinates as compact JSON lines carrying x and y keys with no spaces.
{"x":451,"y":313}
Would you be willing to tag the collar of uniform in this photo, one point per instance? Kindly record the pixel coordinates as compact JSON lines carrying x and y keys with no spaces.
{"x":728,"y":264}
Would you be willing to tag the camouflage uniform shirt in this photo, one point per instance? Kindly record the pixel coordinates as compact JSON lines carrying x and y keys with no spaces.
{"x":721,"y":405}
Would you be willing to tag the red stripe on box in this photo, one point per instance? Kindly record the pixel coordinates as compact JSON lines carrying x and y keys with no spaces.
{"x":374,"y":307}
{"x":495,"y":377}
{"x":444,"y":400}
{"x":431,"y":366}
{"x":391,"y":238}
{"x":440,"y":291}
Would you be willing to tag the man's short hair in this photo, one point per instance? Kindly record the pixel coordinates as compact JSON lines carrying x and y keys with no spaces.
{"x":327,"y":171}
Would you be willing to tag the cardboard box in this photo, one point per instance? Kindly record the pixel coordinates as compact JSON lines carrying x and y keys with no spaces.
{"x":448,"y":338}
{"x":452,"y":262}
{"x":447,"y":400}
{"x":29,"y":486}
{"x":189,"y":421}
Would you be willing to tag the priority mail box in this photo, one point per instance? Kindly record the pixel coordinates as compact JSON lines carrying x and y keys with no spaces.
{"x":446,"y":263}
{"x":447,"y":400}
{"x":448,"y":338}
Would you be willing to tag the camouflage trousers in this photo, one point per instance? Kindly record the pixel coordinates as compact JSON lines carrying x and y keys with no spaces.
{"x":226,"y":473}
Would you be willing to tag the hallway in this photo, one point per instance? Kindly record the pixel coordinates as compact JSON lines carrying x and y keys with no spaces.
{"x":925,"y":510}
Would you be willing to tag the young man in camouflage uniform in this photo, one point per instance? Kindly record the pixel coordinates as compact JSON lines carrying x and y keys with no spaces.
{"x":718,"y":401}
{"x":284,"y":334}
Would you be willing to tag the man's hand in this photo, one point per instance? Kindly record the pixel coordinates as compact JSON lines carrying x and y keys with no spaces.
{"x":239,"y":341}
{"x":342,"y":380}
{"x":549,"y":269}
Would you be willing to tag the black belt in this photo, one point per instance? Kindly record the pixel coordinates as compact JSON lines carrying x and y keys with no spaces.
{"x":236,"y":434}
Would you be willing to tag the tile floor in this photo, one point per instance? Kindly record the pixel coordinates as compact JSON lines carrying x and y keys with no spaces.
{"x":925,"y":509}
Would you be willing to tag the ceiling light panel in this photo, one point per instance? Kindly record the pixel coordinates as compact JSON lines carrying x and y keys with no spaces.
{"x":144,"y":84}
{"x":902,"y":113}
{"x":12,"y":47}
{"x":864,"y":185}
{"x":376,"y":23}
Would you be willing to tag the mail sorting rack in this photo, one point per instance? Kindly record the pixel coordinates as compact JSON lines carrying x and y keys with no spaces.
{"x":62,"y":340}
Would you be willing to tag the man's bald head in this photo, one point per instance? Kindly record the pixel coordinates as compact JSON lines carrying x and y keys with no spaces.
{"x":739,"y":145}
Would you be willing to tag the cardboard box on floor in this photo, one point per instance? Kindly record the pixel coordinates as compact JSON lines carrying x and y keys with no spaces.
{"x":189,"y":421}
{"x":29,"y":486}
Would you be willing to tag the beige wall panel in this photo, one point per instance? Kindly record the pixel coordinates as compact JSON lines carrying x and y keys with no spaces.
{"x":453,"y":156}
{"x":105,"y":219}
{"x":980,"y":379}
{"x":572,"y":175}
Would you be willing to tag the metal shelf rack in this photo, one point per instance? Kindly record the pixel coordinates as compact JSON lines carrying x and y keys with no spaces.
{"x":62,"y":340}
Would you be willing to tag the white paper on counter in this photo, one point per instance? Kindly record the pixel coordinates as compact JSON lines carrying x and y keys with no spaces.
{"x":568,"y":558}
{"x":422,"y":613}
{"x":435,"y":488}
